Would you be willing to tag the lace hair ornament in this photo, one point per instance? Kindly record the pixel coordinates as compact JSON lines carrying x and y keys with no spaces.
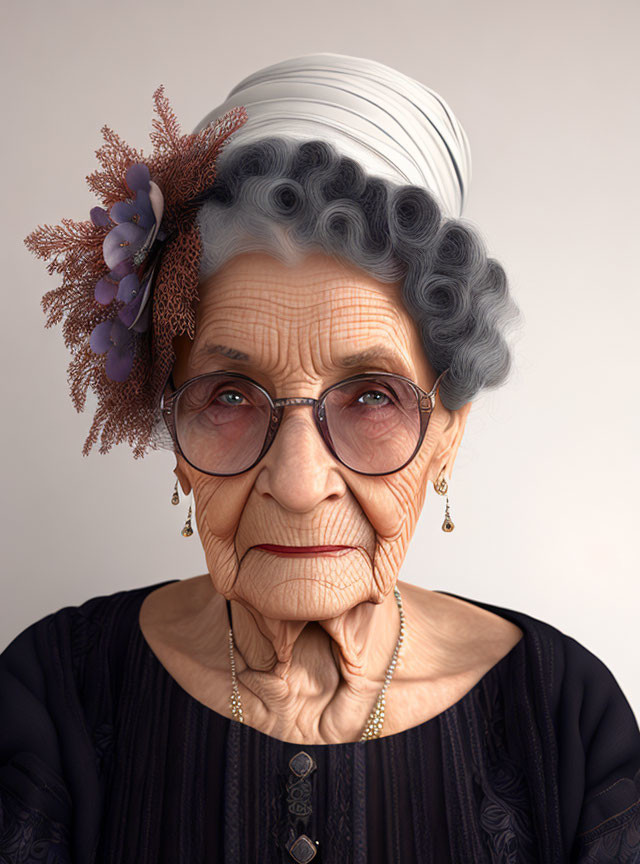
{"x":142,"y":245}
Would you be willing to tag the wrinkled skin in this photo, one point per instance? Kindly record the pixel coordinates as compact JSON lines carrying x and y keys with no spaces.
{"x":313,"y":635}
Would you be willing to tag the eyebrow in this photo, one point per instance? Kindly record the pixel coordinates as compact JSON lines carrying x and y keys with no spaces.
{"x":376,"y":354}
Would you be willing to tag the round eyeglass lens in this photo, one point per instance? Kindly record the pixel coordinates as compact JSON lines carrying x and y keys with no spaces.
{"x":374,"y":424}
{"x":222,"y":423}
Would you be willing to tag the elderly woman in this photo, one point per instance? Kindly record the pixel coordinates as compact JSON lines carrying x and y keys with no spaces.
{"x":303,"y":319}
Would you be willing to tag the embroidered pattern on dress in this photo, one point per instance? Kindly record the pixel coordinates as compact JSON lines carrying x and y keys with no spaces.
{"x":28,"y":836}
{"x":618,"y":845}
{"x":615,"y":840}
{"x":505,"y":806}
{"x":490,"y":801}
{"x":85,"y":633}
{"x":339,"y":815}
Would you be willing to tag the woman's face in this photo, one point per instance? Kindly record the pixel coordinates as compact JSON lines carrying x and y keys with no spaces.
{"x":295,"y":323}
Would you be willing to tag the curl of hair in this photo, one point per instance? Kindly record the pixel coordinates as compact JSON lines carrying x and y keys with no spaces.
{"x":289,"y":198}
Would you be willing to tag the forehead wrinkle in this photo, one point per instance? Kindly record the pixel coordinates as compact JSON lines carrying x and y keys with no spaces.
{"x":315,"y":346}
{"x":264,"y":351}
{"x":305,"y":274}
{"x":268,"y":330}
{"x":322,"y":316}
{"x":269,"y":310}
{"x":382,"y":326}
{"x":278,"y":289}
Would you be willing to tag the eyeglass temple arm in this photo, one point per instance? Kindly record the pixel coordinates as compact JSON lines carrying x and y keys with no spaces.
{"x":431,"y":395}
{"x":169,"y":380}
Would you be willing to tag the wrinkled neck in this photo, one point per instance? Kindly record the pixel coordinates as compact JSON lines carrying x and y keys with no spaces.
{"x":355,"y":648}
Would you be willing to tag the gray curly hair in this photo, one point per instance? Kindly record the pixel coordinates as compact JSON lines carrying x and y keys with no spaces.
{"x":288,"y":198}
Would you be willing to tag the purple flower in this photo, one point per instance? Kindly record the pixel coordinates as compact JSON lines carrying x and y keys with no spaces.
{"x":108,"y":286}
{"x":138,"y":177}
{"x":128,"y":288}
{"x":134,"y":227}
{"x":105,"y":290}
{"x":136,"y":314}
{"x":132,"y":316}
{"x":139,"y":211}
{"x":100,"y":217}
{"x":114,"y":338}
{"x":122,"y":243}
{"x":137,"y":221}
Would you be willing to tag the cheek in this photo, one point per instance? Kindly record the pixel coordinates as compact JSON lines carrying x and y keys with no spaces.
{"x":393,"y":503}
{"x":220,"y":503}
{"x":396,"y":521}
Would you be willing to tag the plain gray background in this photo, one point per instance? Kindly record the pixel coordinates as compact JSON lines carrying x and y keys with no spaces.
{"x":544,"y":490}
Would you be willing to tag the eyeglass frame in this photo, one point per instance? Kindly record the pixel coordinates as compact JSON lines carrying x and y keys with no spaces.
{"x":426,"y":406}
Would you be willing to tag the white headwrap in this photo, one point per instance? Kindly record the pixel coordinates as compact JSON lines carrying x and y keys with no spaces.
{"x":391,"y":124}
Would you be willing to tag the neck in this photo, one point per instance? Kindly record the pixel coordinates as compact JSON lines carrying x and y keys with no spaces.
{"x":335,"y":667}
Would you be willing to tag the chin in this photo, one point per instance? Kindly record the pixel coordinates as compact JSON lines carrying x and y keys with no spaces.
{"x":302,"y":593}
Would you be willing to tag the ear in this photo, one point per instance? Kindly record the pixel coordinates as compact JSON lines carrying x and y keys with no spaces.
{"x":183,"y":479}
{"x":450,"y":441}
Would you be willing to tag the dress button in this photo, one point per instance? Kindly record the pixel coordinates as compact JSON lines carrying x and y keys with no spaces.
{"x":303,"y":849}
{"x":301,"y":764}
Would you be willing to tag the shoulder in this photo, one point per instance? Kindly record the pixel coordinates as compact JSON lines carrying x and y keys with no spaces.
{"x":59,"y":675}
{"x":57,"y":683}
{"x":453,"y":638}
{"x":569,"y":700}
{"x":99,"y":608}
{"x":563,"y":656}
{"x":592,"y":716}
{"x":63,"y":638}
{"x":574,"y":685}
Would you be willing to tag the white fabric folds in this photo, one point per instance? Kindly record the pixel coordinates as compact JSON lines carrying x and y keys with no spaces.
{"x":391,"y":124}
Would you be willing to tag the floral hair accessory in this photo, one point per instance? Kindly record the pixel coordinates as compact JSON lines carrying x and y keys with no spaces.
{"x":130,"y":273}
{"x":133,"y":227}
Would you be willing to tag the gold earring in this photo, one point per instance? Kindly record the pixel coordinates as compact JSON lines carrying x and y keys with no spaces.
{"x":441,"y":486}
{"x":175,"y":498}
{"x":187,"y":530}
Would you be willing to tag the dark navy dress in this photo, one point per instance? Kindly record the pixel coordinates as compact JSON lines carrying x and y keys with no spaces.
{"x":105,"y":758}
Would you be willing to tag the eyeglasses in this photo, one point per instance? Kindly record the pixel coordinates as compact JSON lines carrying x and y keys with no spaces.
{"x":223,"y":423}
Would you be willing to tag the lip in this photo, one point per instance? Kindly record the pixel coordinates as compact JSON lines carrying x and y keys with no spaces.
{"x":304,"y":550}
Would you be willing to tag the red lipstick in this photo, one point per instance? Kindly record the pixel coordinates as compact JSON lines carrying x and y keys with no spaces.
{"x":304,"y":550}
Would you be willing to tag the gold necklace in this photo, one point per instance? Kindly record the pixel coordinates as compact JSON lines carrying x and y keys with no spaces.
{"x":373,"y":726}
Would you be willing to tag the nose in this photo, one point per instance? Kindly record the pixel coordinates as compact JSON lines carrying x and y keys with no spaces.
{"x":298,"y":470}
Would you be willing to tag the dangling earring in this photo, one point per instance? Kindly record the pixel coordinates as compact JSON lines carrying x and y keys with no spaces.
{"x":441,"y":486}
{"x":187,"y":531}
